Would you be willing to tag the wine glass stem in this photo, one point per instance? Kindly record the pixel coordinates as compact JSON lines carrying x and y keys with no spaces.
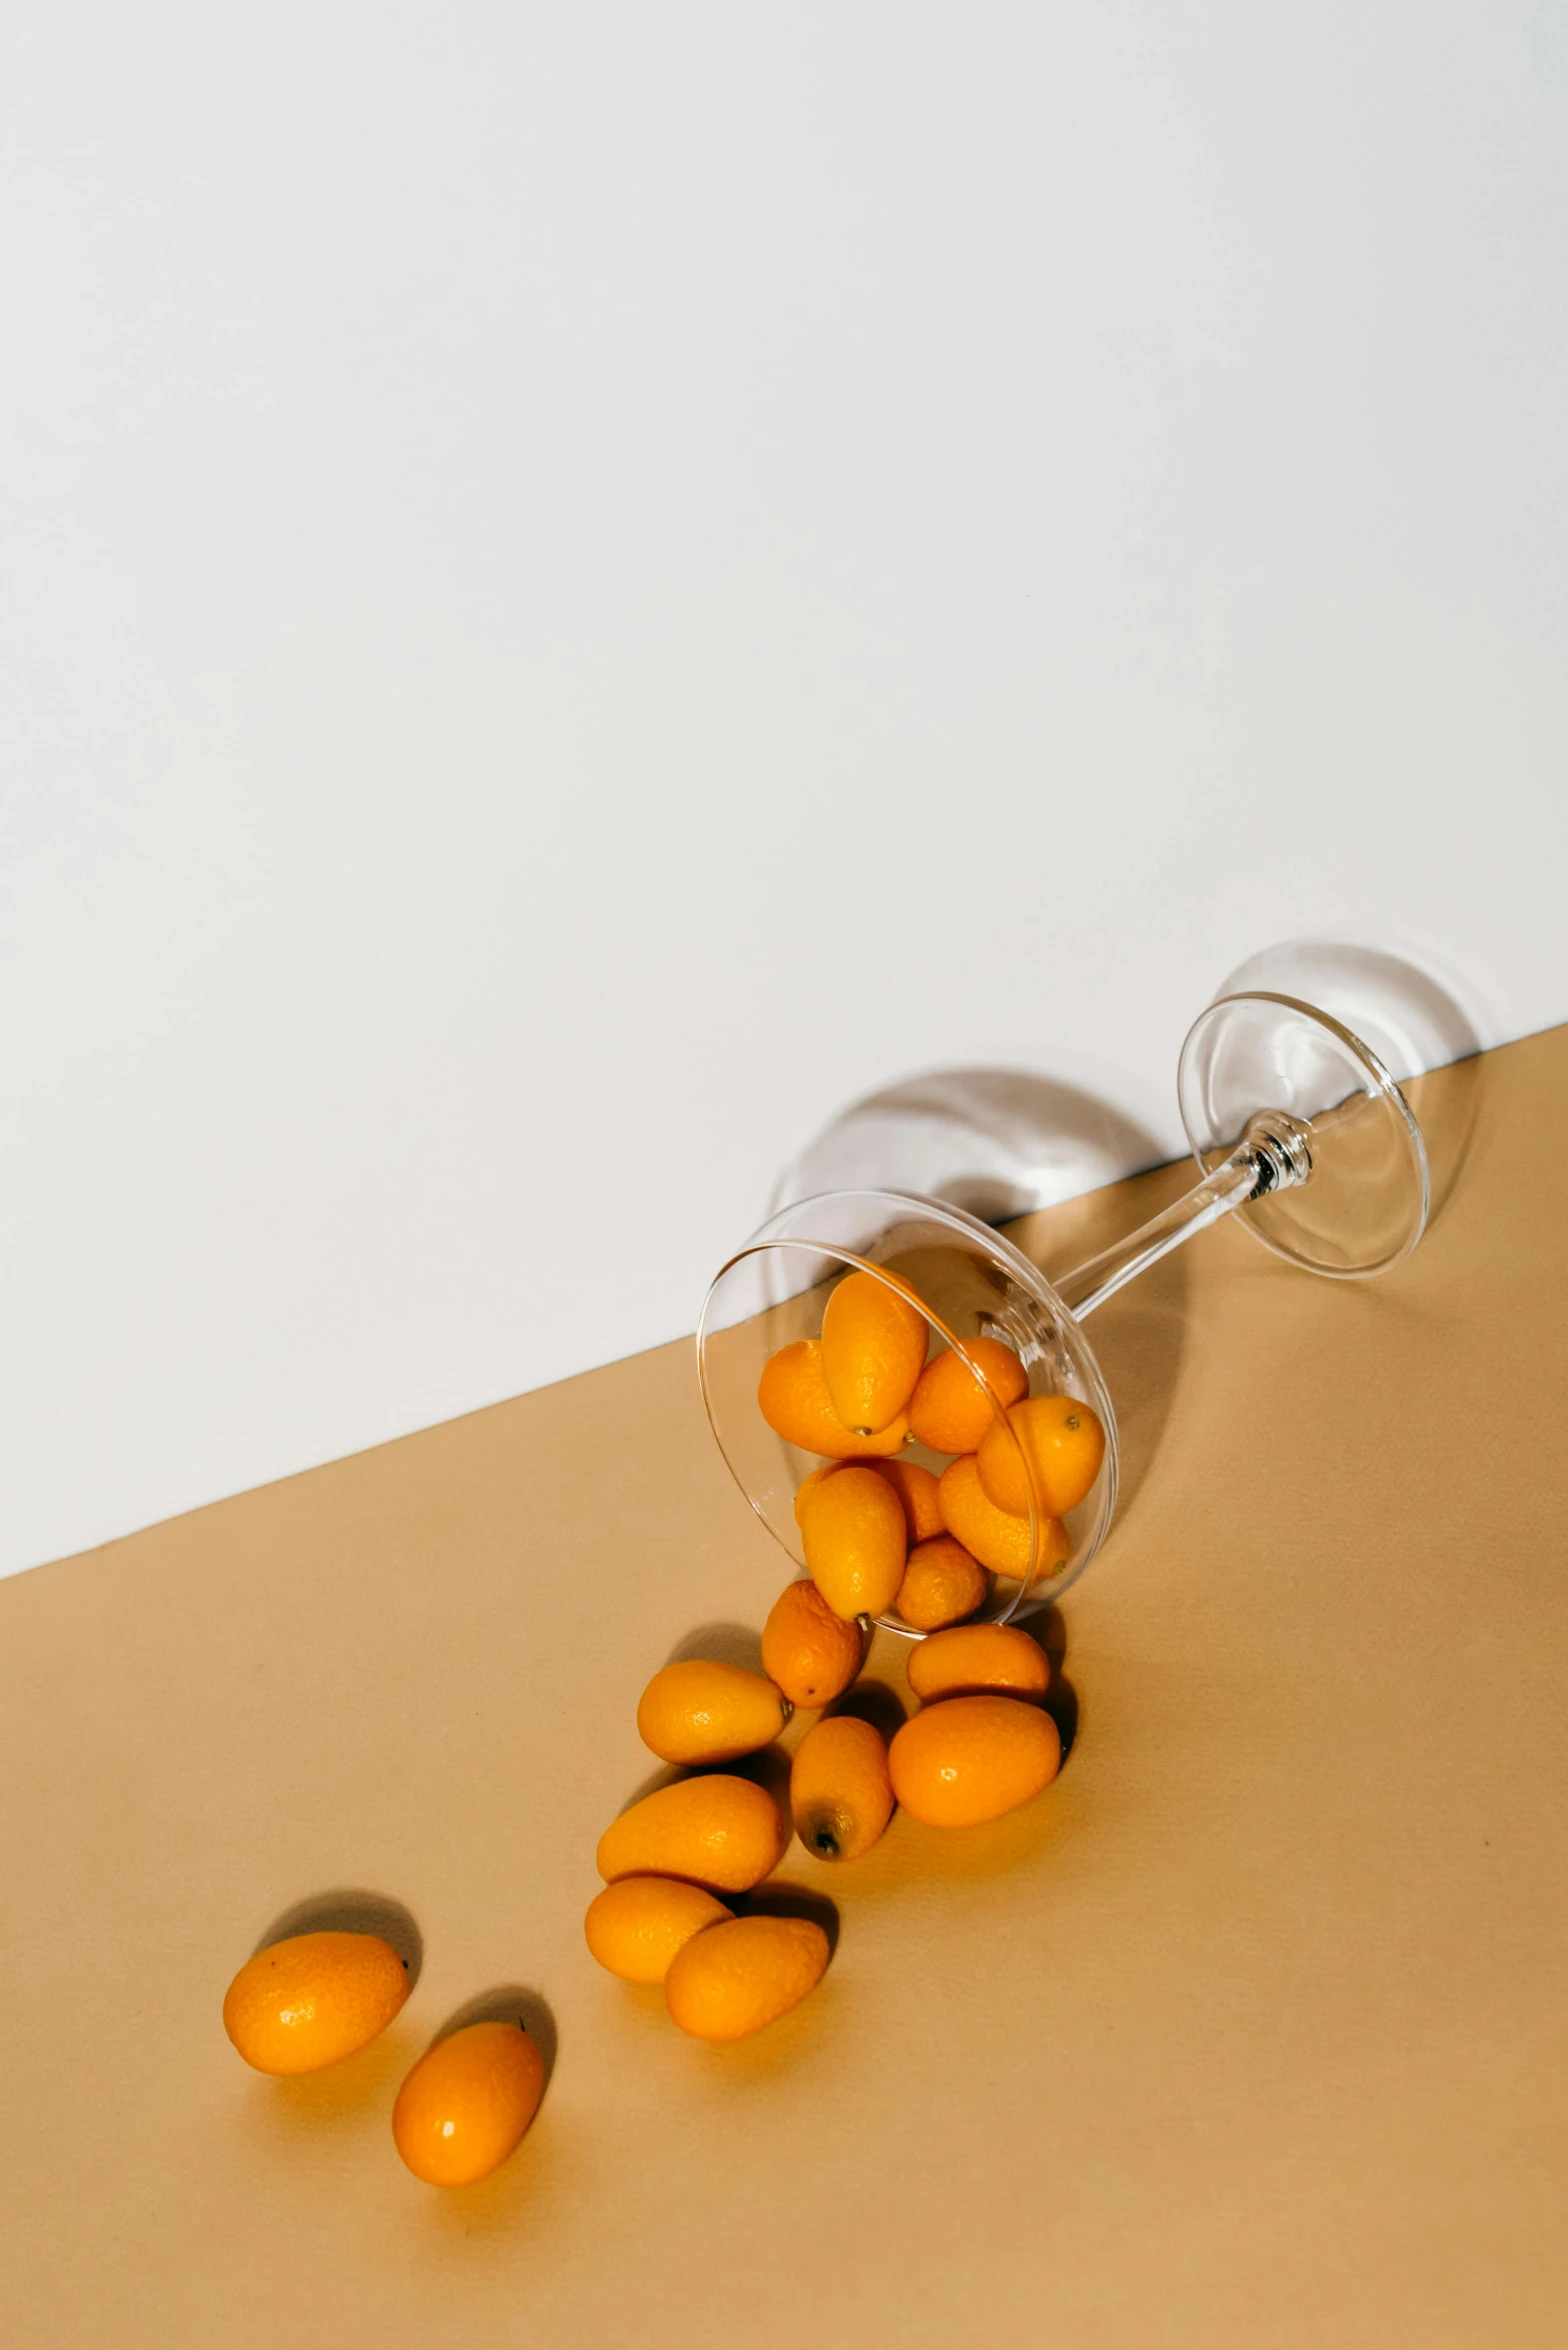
{"x":1274,"y":1154}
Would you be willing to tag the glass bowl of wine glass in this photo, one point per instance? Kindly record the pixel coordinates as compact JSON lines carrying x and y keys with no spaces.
{"x":1297,"y":1129}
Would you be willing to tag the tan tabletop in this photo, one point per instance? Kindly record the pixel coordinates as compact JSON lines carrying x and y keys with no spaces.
{"x":1252,"y":2031}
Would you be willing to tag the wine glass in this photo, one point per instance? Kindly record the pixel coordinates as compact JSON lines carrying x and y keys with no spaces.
{"x":1297,"y":1128}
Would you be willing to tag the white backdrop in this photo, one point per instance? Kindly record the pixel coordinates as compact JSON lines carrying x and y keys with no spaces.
{"x":585,"y":585}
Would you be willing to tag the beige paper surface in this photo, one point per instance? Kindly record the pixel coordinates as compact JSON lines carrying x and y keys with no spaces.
{"x":1251,"y":2032}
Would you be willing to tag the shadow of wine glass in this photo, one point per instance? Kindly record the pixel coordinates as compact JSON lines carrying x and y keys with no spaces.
{"x":996,"y":1142}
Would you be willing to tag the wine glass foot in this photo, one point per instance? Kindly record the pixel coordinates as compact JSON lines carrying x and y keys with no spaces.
{"x":1361,"y":1191}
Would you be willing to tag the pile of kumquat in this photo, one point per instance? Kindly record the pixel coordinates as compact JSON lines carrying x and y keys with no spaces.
{"x":879,"y":1534}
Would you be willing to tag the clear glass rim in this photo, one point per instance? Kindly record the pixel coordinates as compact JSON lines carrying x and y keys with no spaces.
{"x":1029,"y":1598}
